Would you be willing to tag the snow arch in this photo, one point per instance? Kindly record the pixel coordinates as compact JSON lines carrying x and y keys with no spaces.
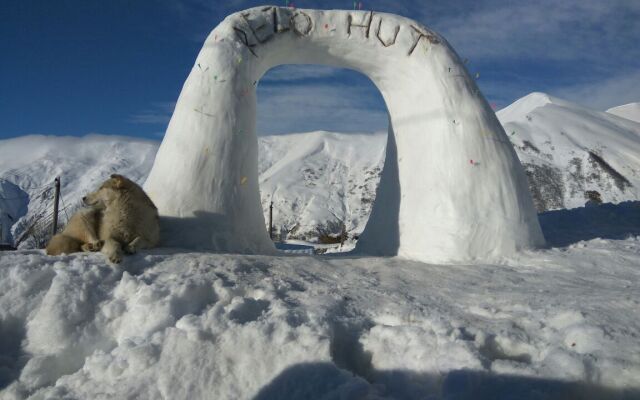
{"x":452,"y":187}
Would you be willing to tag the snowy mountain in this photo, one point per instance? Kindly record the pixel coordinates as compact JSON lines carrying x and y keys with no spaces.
{"x":629,"y":111}
{"x":568,"y":150}
{"x":319,"y":181}
{"x":32,"y":163}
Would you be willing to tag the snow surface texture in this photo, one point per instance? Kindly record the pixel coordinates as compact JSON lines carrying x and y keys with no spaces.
{"x":629,"y":111}
{"x":452,"y":188}
{"x":567,"y":150}
{"x":561,"y":323}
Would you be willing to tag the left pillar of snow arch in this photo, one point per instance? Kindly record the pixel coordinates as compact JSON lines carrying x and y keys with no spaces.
{"x":205,"y":177}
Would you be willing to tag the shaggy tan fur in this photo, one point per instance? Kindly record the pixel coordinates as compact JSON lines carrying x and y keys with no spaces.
{"x":129,"y":219}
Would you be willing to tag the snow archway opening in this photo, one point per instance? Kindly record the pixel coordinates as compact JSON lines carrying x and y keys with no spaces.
{"x":452,"y":188}
{"x":322,"y":133}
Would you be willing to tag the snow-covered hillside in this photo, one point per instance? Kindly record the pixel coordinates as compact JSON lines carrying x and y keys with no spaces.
{"x":561,"y":323}
{"x":320,"y":179}
{"x":568,"y":150}
{"x":629,"y":111}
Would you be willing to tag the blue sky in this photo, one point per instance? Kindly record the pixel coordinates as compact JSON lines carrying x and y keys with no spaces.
{"x":71,"y":67}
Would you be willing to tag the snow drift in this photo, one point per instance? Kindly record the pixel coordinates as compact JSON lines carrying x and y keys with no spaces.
{"x":452,"y":187}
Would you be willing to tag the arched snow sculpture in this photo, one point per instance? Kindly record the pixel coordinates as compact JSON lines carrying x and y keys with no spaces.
{"x":452,"y":187}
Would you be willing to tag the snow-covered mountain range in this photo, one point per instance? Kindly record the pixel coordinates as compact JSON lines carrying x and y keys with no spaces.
{"x":568,"y":150}
{"x":319,"y":181}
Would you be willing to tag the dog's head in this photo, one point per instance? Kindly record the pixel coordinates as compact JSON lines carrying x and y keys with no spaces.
{"x":107,"y":192}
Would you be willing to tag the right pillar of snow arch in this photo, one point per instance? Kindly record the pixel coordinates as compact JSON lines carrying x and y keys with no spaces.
{"x":443,"y":200}
{"x":452,"y":188}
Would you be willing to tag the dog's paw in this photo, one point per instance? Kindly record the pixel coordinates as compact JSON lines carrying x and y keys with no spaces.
{"x":115,"y":258}
{"x":132,"y":247}
{"x":93,"y":246}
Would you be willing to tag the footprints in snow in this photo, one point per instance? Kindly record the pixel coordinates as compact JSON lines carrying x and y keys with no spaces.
{"x":244,"y":310}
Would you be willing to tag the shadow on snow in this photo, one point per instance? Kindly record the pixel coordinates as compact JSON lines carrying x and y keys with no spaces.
{"x":607,"y":221}
{"x":327,"y":381}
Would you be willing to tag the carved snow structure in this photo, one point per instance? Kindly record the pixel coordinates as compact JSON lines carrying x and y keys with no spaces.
{"x":452,"y":188}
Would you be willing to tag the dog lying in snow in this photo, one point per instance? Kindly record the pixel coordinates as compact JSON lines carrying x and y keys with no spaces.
{"x":123,"y":216}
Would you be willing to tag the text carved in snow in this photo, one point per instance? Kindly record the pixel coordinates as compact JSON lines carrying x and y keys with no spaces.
{"x":264,"y":25}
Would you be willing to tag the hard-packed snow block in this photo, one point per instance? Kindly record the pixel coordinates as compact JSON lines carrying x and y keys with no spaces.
{"x":452,"y":188}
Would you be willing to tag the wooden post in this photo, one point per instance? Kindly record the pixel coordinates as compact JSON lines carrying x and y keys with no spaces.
{"x":56,"y":199}
{"x":271,"y":221}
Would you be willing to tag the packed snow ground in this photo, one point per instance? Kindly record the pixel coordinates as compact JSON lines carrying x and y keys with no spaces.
{"x":559,"y":323}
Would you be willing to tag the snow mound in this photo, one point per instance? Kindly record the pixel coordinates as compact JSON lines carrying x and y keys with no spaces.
{"x":568,"y":150}
{"x":629,"y":111}
{"x":551,"y":324}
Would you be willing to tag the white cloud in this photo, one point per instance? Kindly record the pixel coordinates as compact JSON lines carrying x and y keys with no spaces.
{"x":332,"y":107}
{"x":567,"y":30}
{"x":159,"y":113}
{"x":601,"y":95}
